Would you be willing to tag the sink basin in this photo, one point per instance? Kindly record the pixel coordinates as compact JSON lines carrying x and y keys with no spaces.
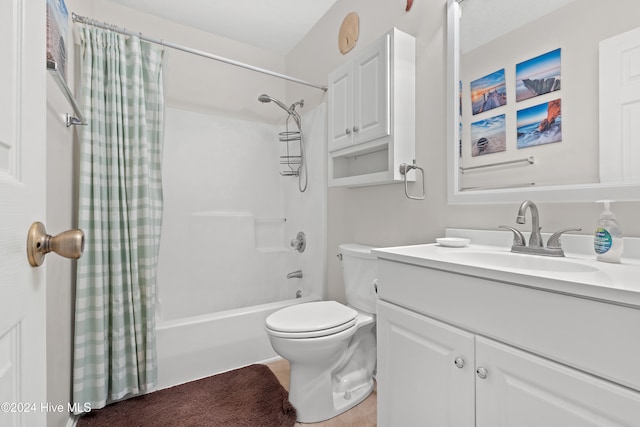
{"x":521,"y":262}
{"x":488,"y":257}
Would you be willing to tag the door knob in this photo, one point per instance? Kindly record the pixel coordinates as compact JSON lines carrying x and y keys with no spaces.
{"x":69,"y":244}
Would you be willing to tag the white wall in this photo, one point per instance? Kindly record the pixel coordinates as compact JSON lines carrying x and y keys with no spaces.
{"x":308,"y":211}
{"x":229,"y":215}
{"x":62,"y":151}
{"x":61,"y":216}
{"x":382,"y":215}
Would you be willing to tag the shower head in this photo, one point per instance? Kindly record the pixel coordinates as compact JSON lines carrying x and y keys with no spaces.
{"x":264,"y":98}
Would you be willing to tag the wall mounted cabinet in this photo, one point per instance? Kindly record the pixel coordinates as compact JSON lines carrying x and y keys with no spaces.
{"x":457,"y":350}
{"x":372,"y":113}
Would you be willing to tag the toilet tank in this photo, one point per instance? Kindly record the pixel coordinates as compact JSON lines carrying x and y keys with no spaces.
{"x":359,"y":271}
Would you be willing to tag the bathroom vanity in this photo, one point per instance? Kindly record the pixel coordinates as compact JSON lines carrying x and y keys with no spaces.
{"x":480,"y":336}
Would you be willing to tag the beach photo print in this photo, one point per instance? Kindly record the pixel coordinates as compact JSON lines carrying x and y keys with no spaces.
{"x":540,"y":124}
{"x":488,"y":136}
{"x":488,"y":92}
{"x":538,"y":75}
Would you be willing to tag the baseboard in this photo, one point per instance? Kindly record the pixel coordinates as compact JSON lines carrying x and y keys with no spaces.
{"x":269,"y":360}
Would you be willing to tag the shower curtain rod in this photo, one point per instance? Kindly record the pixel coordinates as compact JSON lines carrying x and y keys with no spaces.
{"x":93,"y":22}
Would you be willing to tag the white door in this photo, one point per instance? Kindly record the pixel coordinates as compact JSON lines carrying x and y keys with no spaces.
{"x":620,"y":108}
{"x":520,"y":389}
{"x":22,"y":201}
{"x":425,"y":371}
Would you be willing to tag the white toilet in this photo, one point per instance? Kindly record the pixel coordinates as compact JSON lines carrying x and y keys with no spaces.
{"x":331,"y":347}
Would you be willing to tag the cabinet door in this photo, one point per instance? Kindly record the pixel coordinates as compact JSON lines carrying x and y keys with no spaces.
{"x":524,"y":390}
{"x":372,"y":88}
{"x":419,"y":383}
{"x":341,"y":107}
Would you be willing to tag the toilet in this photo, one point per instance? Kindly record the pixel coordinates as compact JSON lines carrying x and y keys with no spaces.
{"x":331,"y":347}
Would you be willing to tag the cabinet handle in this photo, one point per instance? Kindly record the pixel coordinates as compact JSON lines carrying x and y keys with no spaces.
{"x":347,"y":131}
{"x":482,"y":373}
{"x":355,"y":129}
{"x":459,"y":362}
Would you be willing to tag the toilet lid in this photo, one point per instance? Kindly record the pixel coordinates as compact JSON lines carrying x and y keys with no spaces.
{"x":312,"y":317}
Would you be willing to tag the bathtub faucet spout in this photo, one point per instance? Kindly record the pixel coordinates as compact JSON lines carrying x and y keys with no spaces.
{"x":295,"y":275}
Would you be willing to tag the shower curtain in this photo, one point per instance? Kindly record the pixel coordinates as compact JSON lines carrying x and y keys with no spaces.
{"x":120,"y":210}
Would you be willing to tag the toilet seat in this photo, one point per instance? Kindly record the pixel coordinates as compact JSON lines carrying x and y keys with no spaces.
{"x":311,"y":320}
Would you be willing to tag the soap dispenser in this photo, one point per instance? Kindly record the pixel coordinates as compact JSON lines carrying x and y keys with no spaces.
{"x":607,"y":241}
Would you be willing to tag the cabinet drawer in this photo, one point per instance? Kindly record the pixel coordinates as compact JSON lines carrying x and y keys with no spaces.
{"x":593,"y":336}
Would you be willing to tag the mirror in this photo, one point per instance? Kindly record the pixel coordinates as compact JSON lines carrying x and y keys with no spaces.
{"x":514,"y":133}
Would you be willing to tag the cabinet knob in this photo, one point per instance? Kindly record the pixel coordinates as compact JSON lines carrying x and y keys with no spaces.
{"x":482,"y":373}
{"x":459,"y":362}
{"x":355,"y":129}
{"x":347,"y":131}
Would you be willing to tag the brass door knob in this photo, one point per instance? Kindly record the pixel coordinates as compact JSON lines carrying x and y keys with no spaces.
{"x":69,"y":244}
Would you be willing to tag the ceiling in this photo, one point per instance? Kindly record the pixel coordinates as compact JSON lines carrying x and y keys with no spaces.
{"x":275,"y":25}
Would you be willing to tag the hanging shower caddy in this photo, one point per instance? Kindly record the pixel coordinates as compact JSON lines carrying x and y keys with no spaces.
{"x":292,"y":160}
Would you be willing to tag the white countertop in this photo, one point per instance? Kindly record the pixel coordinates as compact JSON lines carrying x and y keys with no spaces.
{"x":578,"y":273}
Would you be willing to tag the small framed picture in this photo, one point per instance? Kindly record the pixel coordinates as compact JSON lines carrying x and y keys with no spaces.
{"x":538,"y":75}
{"x":540,"y":124}
{"x":488,"y":136}
{"x":488,"y":92}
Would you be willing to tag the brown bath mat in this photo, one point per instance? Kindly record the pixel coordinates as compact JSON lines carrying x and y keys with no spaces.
{"x":249,"y":396}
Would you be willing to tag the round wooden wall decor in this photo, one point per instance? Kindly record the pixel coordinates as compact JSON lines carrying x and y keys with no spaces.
{"x":348,"y":34}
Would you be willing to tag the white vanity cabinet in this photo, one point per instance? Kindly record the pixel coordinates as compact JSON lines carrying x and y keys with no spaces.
{"x":371,"y":113}
{"x":425,"y":370}
{"x":457,"y":350}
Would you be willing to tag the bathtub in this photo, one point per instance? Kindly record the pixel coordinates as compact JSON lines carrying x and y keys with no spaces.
{"x":200,"y":346}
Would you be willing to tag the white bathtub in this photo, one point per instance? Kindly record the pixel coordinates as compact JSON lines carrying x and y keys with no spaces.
{"x":200,"y":346}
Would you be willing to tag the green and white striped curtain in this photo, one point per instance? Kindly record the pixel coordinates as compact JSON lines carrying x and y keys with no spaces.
{"x":120,"y":211}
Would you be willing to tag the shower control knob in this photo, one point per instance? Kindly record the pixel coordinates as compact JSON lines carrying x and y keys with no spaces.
{"x":347,"y":131}
{"x":459,"y":362}
{"x":300,"y":242}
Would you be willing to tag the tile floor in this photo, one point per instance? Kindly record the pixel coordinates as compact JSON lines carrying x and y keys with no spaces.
{"x":362,"y":415}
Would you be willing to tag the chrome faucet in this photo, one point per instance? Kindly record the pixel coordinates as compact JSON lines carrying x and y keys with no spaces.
{"x":535,"y":241}
{"x":295,"y":275}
